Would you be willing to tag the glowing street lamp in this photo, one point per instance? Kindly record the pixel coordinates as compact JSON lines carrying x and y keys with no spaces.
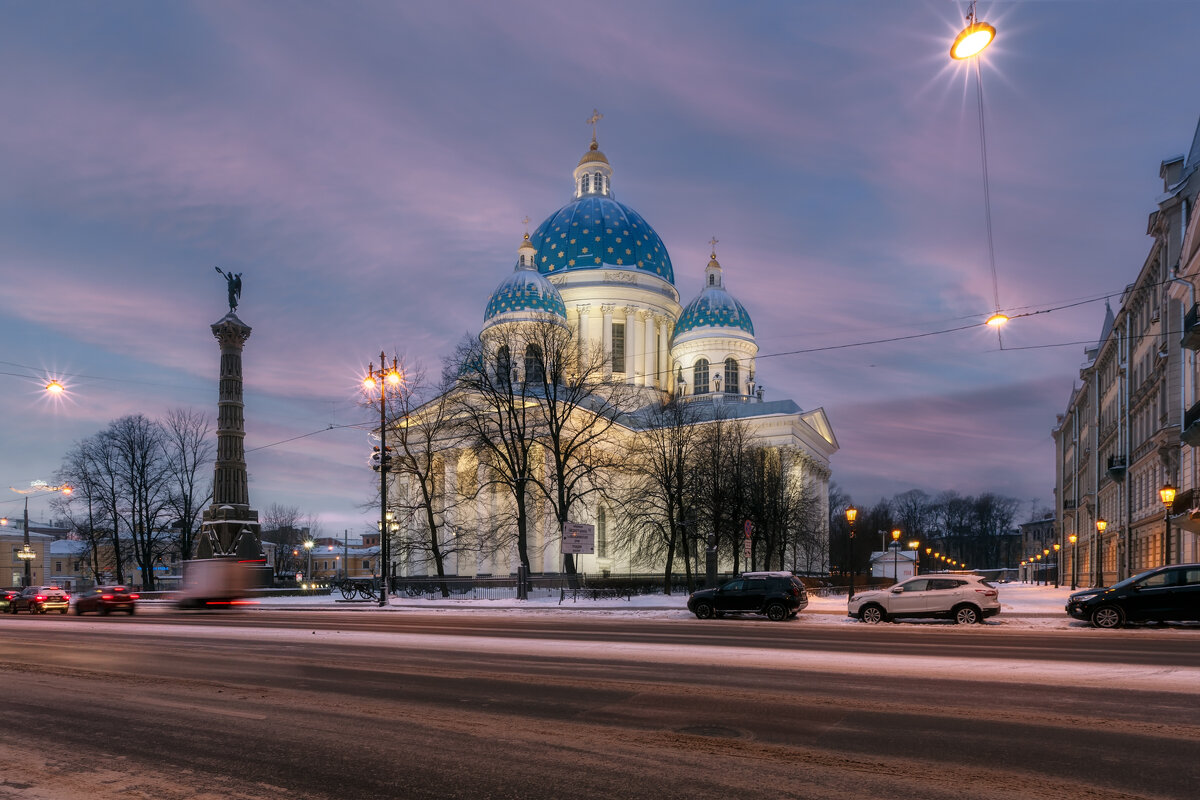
{"x":1167,"y":495}
{"x":382,"y":380}
{"x":973,"y":39}
{"x":1073,"y":539}
{"x":1057,"y":565}
{"x":913,"y":545}
{"x":1101,"y":524}
{"x":895,"y":555}
{"x":851,"y":515}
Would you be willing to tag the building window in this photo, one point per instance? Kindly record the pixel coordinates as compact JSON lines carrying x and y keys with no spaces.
{"x":366,"y":563}
{"x":535,"y":371}
{"x":731,"y":375}
{"x":618,"y":347}
{"x":503,"y":365}
{"x":58,"y":566}
{"x":700,"y":377}
{"x":601,"y":534}
{"x":712,"y":280}
{"x":586,"y":185}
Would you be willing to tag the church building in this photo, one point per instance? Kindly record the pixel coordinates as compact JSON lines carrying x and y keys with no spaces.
{"x":597,"y":268}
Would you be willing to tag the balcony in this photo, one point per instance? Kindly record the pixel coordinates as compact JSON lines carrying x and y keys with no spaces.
{"x":1116,"y":467}
{"x":1190,"y":430}
{"x":1191,"y":329}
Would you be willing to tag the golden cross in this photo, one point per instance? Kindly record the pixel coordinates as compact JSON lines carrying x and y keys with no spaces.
{"x":713,"y":241}
{"x":592,"y":120}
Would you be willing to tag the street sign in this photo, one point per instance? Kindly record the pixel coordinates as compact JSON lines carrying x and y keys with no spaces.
{"x":578,"y":538}
{"x":748,"y":527}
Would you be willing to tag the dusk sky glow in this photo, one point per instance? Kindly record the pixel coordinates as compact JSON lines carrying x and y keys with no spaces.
{"x":366,"y":167}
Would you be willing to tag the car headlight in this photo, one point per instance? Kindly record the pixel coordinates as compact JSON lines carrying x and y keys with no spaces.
{"x":1080,"y":598}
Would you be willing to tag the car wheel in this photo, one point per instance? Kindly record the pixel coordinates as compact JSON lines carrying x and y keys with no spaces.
{"x":62,"y":611}
{"x":78,"y":610}
{"x":704,"y":610}
{"x":777,"y":612}
{"x":39,"y":610}
{"x":871,"y":614}
{"x":1108,"y":617}
{"x":131,"y":611}
{"x":967,"y":615}
{"x":103,"y":611}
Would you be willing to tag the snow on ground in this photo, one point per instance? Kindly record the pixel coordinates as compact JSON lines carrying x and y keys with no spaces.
{"x":1023,"y":607}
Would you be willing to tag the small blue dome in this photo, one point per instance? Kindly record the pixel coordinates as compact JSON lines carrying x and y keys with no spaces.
{"x":595,"y":231}
{"x":714,"y":308}
{"x":525,"y":291}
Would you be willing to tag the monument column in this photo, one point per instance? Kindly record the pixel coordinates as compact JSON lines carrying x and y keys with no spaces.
{"x":230,"y":527}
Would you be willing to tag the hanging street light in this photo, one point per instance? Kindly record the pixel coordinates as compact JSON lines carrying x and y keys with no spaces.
{"x":973,"y":39}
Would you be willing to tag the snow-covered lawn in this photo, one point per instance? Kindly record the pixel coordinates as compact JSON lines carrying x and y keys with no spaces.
{"x":1023,"y":606}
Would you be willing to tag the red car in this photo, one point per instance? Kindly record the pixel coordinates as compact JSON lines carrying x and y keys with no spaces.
{"x":105,"y":599}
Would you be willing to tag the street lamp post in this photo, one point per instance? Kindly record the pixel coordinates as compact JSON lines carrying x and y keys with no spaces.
{"x":308,"y":546}
{"x":851,"y":515}
{"x":1167,"y":495}
{"x":1101,"y":524}
{"x":913,"y":545}
{"x":895,"y":555}
{"x":1073,"y":539}
{"x":1057,"y":565}
{"x":27,"y":553}
{"x":381,"y":378}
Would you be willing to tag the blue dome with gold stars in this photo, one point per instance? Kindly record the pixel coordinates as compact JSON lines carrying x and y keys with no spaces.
{"x":595,"y":232}
{"x":714,"y":307}
{"x":523,"y":293}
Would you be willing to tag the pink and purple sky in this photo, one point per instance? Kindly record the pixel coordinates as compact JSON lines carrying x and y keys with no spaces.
{"x":366,"y":166}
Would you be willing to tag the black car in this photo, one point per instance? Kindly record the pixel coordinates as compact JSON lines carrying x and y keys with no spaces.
{"x":1160,"y":595}
{"x":778,"y":595}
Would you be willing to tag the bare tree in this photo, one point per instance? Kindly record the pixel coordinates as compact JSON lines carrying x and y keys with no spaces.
{"x":144,"y":477}
{"x":420,"y":433}
{"x":578,"y":406}
{"x":498,"y":410}
{"x":658,"y":509}
{"x":85,"y":506}
{"x":283,"y":532}
{"x":188,"y":450}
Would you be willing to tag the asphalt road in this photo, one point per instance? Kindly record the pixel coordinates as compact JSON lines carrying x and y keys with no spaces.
{"x":465,"y":705}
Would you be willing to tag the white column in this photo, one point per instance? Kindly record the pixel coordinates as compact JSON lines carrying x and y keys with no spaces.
{"x":606,"y":333}
{"x":585,"y":341}
{"x":666,"y":377}
{"x":633,"y":363}
{"x":450,"y":507}
{"x":651,"y":349}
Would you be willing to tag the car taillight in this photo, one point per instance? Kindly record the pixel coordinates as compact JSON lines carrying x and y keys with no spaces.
{"x":133,"y":597}
{"x":40,"y":597}
{"x":987,"y":592}
{"x":106,"y":597}
{"x":795,"y":592}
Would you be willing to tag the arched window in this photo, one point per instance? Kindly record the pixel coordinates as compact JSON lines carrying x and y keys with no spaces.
{"x":712,"y":279}
{"x":535,"y":370}
{"x":731,"y":375}
{"x":585,"y":184}
{"x":601,"y":534}
{"x":700,"y":377}
{"x":503,"y":365}
{"x":598,"y":182}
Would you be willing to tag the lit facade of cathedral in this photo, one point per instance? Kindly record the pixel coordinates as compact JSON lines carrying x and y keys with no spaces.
{"x":598,"y":268}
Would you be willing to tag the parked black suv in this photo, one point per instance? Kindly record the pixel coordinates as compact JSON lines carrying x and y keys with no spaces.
{"x":1164,"y":594}
{"x":779,"y":595}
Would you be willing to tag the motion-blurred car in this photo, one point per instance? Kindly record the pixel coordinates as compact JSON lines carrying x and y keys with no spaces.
{"x":39,"y":600}
{"x":106,"y":599}
{"x":966,"y":599}
{"x":6,"y":597}
{"x":1165,"y":594}
{"x":778,"y":595}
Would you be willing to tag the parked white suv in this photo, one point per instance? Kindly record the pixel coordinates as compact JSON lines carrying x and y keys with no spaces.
{"x":966,"y":599}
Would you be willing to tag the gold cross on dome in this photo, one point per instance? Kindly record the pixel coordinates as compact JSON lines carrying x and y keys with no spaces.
{"x":526,"y":222}
{"x":713,"y":243}
{"x":592,"y":120}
